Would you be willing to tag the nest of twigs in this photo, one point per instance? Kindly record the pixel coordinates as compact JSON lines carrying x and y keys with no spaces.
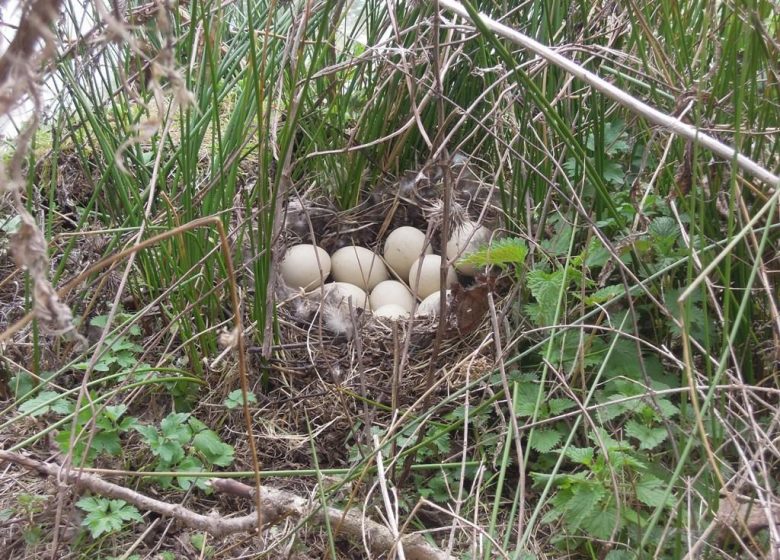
{"x":335,"y":374}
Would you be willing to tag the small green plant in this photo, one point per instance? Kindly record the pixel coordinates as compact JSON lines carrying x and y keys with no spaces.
{"x":105,"y":516}
{"x":184,"y":443}
{"x":236,"y":399}
{"x":502,"y":253}
{"x":110,"y":423}
{"x":121,"y":351}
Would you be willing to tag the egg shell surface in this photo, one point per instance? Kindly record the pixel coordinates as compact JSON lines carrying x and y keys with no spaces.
{"x":428,"y":276}
{"x":467,"y":238}
{"x":340,"y":293}
{"x":300,"y":266}
{"x":391,"y":292}
{"x":403,"y":246}
{"x":391,"y":311}
{"x":358,"y":266}
{"x":430,"y":306}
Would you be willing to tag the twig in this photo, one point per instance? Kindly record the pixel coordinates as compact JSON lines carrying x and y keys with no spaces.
{"x":277,"y":506}
{"x":653,"y":115}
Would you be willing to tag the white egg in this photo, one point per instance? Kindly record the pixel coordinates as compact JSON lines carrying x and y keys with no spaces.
{"x":428,"y":276}
{"x":391,"y":311}
{"x":430,"y":306}
{"x":403,"y":246}
{"x":305,"y":266}
{"x":391,"y":291}
{"x":341,"y":293}
{"x":358,"y":266}
{"x":465,"y":239}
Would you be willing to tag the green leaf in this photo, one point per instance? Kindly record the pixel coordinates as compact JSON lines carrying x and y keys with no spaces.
{"x":46,"y":401}
{"x":236,"y":399}
{"x":106,"y":516}
{"x":106,"y":441}
{"x":651,"y":490}
{"x":605,"y":294}
{"x":190,"y":464}
{"x":584,"y":499}
{"x":169,"y":451}
{"x":215,"y":450}
{"x":649,"y":438}
{"x":557,"y":406}
{"x":175,"y":426}
{"x":545,"y":440}
{"x":601,"y":523}
{"x":525,"y":404}
{"x":581,"y":455}
{"x":501,"y":253}
{"x":93,"y":503}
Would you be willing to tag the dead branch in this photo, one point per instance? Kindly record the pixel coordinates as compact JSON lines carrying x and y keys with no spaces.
{"x":277,"y":505}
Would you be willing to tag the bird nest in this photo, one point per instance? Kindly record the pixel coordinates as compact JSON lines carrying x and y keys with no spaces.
{"x":346,"y":360}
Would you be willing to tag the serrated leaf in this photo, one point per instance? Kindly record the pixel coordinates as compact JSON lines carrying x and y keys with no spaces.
{"x":236,"y":399}
{"x":169,"y":451}
{"x":557,"y":406}
{"x":215,"y":450}
{"x":107,"y":442}
{"x":525,"y":403}
{"x":46,"y":401}
{"x":605,"y":294}
{"x":175,"y":426}
{"x":649,"y":438}
{"x":502,"y":252}
{"x":604,"y":438}
{"x":663,"y":227}
{"x":668,"y":410}
{"x":106,"y":516}
{"x":651,"y":490}
{"x":93,"y":503}
{"x":581,"y":455}
{"x":582,"y":504}
{"x":601,"y":523}
{"x":189,"y":464}
{"x":545,"y":440}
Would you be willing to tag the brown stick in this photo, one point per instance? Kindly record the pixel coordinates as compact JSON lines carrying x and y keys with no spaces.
{"x":277,"y":505}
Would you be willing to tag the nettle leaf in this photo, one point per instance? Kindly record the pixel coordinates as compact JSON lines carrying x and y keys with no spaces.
{"x":649,"y":438}
{"x":545,"y":288}
{"x":525,"y":404}
{"x":583,"y":502}
{"x":46,"y":401}
{"x":605,"y":294}
{"x":581,"y":455}
{"x":501,"y":253}
{"x":214,"y":449}
{"x":601,"y":523}
{"x":651,"y":491}
{"x":545,"y":440}
{"x":663,"y":227}
{"x":667,"y":409}
{"x":557,"y":406}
